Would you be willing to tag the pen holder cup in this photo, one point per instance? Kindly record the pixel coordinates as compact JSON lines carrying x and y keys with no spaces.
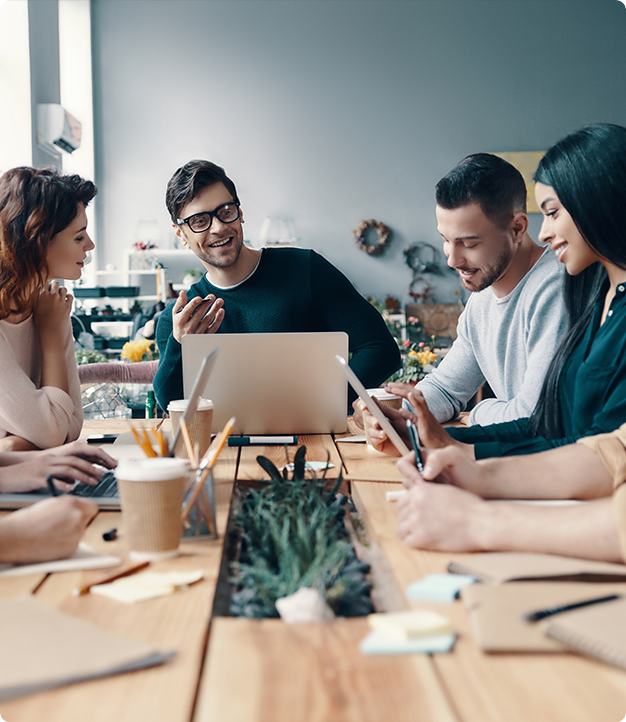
{"x":201,"y":518}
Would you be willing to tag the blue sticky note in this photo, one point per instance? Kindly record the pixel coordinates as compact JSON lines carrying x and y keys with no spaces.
{"x":439,"y":587}
{"x":378,"y":642}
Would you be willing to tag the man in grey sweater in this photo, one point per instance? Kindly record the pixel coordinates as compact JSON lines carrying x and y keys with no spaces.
{"x":515,"y":317}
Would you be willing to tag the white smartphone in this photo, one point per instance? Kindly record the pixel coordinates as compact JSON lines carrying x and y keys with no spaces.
{"x":373,"y":407}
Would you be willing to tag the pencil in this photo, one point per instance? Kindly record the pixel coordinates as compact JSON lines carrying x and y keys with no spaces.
{"x":219,"y":444}
{"x":145,"y":446}
{"x":188,"y":445}
{"x":79,"y":591}
{"x":161,"y":442}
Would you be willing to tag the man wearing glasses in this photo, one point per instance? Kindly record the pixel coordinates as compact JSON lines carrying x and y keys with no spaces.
{"x":248,"y":290}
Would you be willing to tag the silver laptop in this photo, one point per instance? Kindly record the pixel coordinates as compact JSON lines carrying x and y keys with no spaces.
{"x":273,"y":383}
{"x":105,"y":493}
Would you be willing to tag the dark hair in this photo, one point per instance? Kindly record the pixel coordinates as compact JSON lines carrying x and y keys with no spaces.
{"x":35,"y":205}
{"x":587,"y":170}
{"x":189,"y":180}
{"x":486,"y":179}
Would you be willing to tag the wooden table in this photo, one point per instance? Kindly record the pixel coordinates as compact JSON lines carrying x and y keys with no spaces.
{"x":237,"y":669}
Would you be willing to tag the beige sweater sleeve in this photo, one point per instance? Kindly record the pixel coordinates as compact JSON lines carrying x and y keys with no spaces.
{"x":612,"y":450}
{"x":45,"y":416}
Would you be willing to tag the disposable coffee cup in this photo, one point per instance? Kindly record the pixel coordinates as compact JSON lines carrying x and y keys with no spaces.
{"x":386,"y":399}
{"x":200,"y":429}
{"x":151,"y":492}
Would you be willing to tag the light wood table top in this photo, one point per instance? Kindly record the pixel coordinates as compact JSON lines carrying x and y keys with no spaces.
{"x":263,"y":670}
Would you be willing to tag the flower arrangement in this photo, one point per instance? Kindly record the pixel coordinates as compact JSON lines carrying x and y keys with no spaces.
{"x":412,"y":329}
{"x":416,"y":359}
{"x":417,"y":356}
{"x":142,"y":350}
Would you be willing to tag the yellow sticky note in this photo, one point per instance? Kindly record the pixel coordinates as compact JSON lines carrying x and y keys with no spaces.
{"x":410,"y":624}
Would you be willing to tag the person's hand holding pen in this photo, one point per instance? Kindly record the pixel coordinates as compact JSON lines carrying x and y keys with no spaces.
{"x":69,"y":463}
{"x":445,"y":466}
{"x":439,"y":516}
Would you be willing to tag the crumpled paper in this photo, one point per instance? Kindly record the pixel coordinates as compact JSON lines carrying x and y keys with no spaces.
{"x":305,"y":605}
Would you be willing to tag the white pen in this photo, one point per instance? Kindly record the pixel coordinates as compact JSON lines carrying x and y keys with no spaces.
{"x":261,"y":440}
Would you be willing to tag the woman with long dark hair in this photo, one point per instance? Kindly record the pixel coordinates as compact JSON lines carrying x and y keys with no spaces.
{"x":581,"y":190}
{"x":43,"y":238}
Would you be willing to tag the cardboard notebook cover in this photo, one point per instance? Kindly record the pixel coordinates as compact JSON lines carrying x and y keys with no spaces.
{"x":496,"y":612}
{"x":598,"y":631}
{"x":42,"y":648}
{"x":499,"y":567}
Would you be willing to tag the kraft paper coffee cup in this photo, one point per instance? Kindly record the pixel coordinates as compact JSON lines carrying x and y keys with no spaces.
{"x":200,"y":429}
{"x":386,"y":399}
{"x":151,"y":492}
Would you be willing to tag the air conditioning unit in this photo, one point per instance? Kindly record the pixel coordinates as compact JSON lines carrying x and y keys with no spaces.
{"x":55,"y":126}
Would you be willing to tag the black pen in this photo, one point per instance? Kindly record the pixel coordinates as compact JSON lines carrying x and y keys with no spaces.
{"x":415,"y":443}
{"x":53,"y":490}
{"x":543,"y":613}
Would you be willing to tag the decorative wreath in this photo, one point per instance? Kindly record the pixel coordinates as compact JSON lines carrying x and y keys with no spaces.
{"x":372,"y":249}
{"x":420,"y":290}
{"x":422,"y":258}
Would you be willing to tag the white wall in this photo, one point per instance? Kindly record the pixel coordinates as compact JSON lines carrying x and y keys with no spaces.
{"x":331,"y":111}
{"x":15,"y":114}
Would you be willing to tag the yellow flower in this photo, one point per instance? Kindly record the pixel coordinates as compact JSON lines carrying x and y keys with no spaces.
{"x":426,"y":357}
{"x":138,"y":350}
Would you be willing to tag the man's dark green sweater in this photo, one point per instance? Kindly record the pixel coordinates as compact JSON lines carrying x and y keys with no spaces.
{"x":291,"y":290}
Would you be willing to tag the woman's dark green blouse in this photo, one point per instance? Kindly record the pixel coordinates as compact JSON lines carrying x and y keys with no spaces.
{"x":592,"y":391}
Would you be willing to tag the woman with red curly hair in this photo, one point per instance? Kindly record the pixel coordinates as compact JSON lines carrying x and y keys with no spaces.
{"x":43,"y":238}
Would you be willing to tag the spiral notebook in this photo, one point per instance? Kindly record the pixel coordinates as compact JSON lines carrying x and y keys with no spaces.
{"x":598,"y":631}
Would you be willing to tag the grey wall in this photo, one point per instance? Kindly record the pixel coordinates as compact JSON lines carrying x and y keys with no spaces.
{"x":45,"y":82}
{"x":331,"y":111}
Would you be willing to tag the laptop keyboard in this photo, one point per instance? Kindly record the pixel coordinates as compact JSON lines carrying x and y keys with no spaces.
{"x":105,"y":489}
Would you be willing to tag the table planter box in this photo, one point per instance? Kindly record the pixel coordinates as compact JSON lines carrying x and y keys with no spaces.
{"x":286,"y":534}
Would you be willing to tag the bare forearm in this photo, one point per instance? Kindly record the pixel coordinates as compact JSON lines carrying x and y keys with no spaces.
{"x":567,"y":472}
{"x":587,"y":530}
{"x":54,"y":365}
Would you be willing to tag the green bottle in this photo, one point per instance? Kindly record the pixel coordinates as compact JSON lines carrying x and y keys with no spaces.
{"x":150,"y":405}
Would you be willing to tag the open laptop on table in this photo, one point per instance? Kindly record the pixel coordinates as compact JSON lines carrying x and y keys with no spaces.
{"x":273,"y":383}
{"x":105,"y":493}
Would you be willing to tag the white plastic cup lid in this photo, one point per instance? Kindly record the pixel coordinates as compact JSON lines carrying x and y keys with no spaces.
{"x":155,"y":469}
{"x":181,"y":405}
{"x":382,"y":394}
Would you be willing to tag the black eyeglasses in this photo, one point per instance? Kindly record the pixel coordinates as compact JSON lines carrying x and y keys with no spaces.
{"x":199,"y":222}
